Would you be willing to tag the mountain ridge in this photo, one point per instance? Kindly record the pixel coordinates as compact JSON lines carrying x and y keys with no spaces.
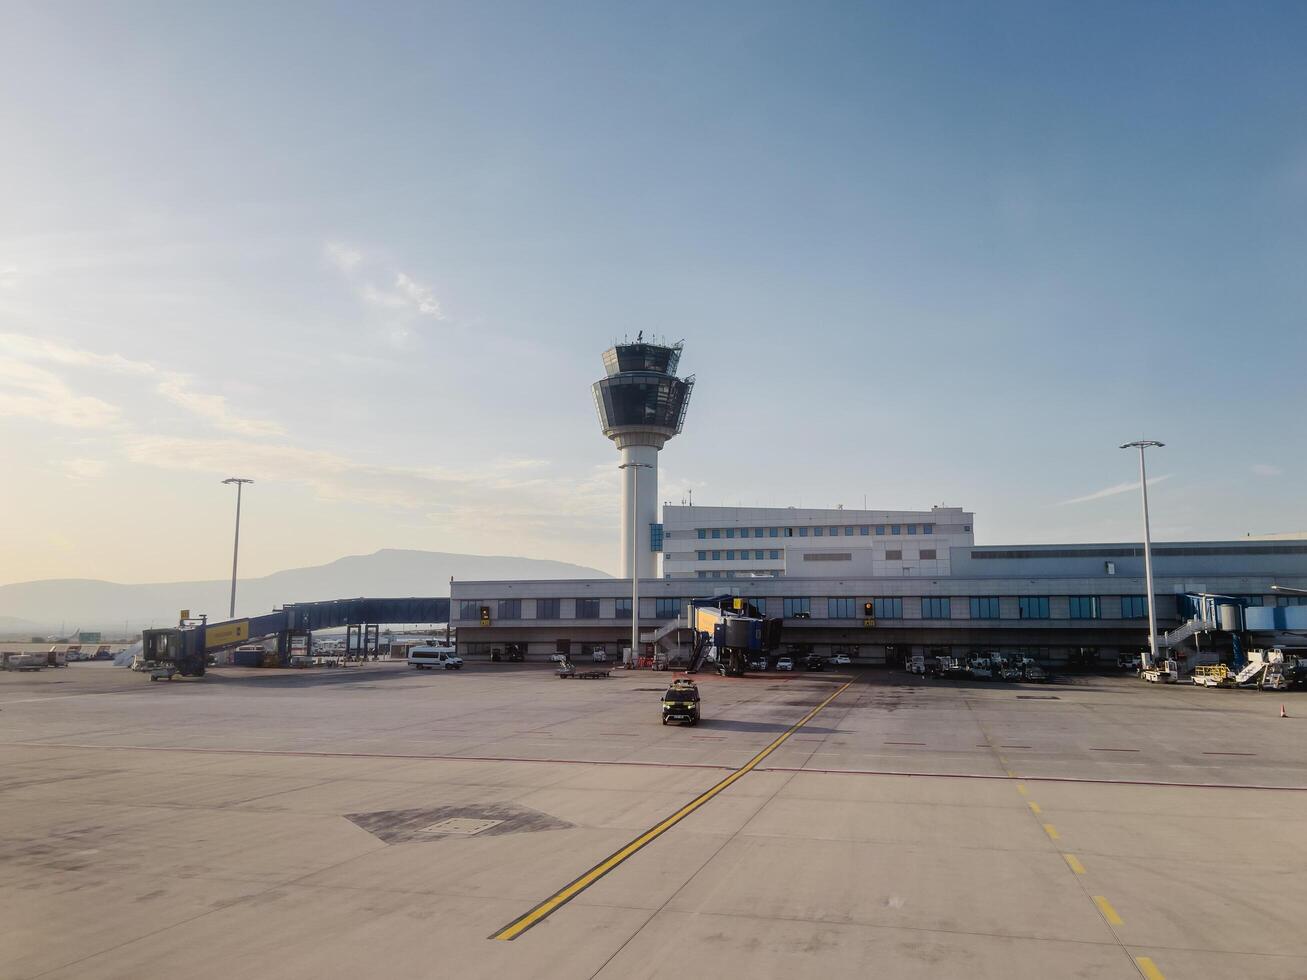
{"x":107,"y":605}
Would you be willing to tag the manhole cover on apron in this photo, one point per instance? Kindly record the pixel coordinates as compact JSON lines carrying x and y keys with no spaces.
{"x":460,"y":825}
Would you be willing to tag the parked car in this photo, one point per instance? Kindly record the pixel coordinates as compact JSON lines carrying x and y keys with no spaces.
{"x":840,"y":660}
{"x":1032,"y":672}
{"x":813,"y":663}
{"x":599,"y":657}
{"x":785,"y":663}
{"x":427,"y":657}
{"x":1129,"y":661}
{"x":758,"y":663}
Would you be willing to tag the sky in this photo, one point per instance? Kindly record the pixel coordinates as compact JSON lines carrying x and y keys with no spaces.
{"x":369,"y":256}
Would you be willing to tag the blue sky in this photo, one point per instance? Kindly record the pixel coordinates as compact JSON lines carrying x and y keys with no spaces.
{"x":369,"y":256}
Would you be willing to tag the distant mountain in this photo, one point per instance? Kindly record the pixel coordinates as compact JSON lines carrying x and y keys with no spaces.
{"x":92,"y":604}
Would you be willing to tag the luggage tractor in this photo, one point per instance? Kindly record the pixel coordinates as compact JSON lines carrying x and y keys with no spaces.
{"x":728,"y":632}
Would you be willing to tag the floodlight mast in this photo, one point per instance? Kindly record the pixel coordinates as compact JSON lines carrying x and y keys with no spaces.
{"x":236,"y":546}
{"x":1150,"y":658}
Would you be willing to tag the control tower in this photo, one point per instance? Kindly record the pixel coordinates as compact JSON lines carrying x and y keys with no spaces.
{"x":641,"y":405}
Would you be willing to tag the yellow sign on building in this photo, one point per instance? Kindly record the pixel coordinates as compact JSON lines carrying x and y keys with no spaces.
{"x":226,"y":634}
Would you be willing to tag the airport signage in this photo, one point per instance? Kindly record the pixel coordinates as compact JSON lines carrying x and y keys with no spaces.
{"x":869,"y":622}
{"x":485,"y":615}
{"x":226,"y":634}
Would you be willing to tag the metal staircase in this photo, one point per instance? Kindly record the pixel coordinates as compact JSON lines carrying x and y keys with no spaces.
{"x":1182,"y":633}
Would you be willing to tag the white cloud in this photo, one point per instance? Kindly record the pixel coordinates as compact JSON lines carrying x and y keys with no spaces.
{"x":213,"y":408}
{"x":405,"y":295}
{"x":29,"y":391}
{"x":1265,"y":469}
{"x":67,"y":408}
{"x":343,"y":257}
{"x":420,"y":296}
{"x":1111,"y":491}
{"x":84,"y":469}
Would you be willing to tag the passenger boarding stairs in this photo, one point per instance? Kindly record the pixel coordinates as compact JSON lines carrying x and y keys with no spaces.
{"x":1182,"y":633}
{"x":1250,"y":673}
{"x":667,"y":639}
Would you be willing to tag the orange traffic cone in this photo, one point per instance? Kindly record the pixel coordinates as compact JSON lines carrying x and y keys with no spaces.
{"x":1283,"y":713}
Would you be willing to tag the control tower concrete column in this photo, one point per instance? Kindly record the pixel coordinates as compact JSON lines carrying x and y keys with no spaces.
{"x":641,"y":404}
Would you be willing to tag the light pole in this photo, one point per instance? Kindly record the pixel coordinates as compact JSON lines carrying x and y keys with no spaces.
{"x":1151,"y":658}
{"x":635,"y":552}
{"x":236,"y":547}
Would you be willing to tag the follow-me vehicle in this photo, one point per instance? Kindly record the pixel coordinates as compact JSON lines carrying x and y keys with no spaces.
{"x":681,"y":702}
{"x":428,"y":656}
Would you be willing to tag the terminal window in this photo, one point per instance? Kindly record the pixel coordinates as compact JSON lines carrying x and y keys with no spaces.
{"x":895,"y":529}
{"x":793,"y":607}
{"x":587,"y":608}
{"x":1033,"y":606}
{"x":888,"y":608}
{"x":841,"y":608}
{"x":1084,"y":606}
{"x":912,"y":529}
{"x":757,"y":556}
{"x":666,"y":608}
{"x":935,"y":607}
{"x":469,"y":609}
{"x":510,"y":608}
{"x":547,"y":608}
{"x":776,"y":556}
{"x":928,"y":529}
{"x":880,"y":528}
{"x":655,"y":537}
{"x":716,"y":532}
{"x":927,"y":554}
{"x":730,"y":532}
{"x":864,"y":530}
{"x":894,"y":556}
{"x":622,"y":607}
{"x":803,"y":532}
{"x":984,"y":607}
{"x":703,"y":533}
{"x":730,"y":556}
{"x":818,"y":532}
{"x":773,"y":532}
{"x":848,"y":532}
{"x":702,"y":555}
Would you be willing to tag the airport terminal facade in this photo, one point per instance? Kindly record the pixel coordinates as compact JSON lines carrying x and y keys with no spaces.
{"x":876,"y":585}
{"x":931,"y":589}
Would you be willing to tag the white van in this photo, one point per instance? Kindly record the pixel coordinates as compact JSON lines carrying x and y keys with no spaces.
{"x":430,"y":656}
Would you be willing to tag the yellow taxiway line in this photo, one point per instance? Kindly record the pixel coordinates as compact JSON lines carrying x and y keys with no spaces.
{"x":568,"y":892}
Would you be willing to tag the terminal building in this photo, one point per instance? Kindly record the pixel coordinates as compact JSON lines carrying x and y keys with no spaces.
{"x":875,"y":585}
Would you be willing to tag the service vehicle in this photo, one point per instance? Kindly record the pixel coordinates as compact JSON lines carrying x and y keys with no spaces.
{"x":980,"y":669}
{"x":427,"y":656}
{"x":785,"y":663}
{"x":840,"y":660}
{"x":1033,"y":673}
{"x":681,"y":702}
{"x":1213,"y":675}
{"x":812,"y":662}
{"x":599,"y":657}
{"x":558,"y":658}
{"x":1129,"y":661}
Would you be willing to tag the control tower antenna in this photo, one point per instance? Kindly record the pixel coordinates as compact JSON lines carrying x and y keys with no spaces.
{"x":641,"y":404}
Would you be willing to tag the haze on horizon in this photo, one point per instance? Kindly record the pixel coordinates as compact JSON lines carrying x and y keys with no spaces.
{"x":369,"y":257}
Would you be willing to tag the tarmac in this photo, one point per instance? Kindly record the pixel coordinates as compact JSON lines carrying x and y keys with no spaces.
{"x":498,"y":822}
